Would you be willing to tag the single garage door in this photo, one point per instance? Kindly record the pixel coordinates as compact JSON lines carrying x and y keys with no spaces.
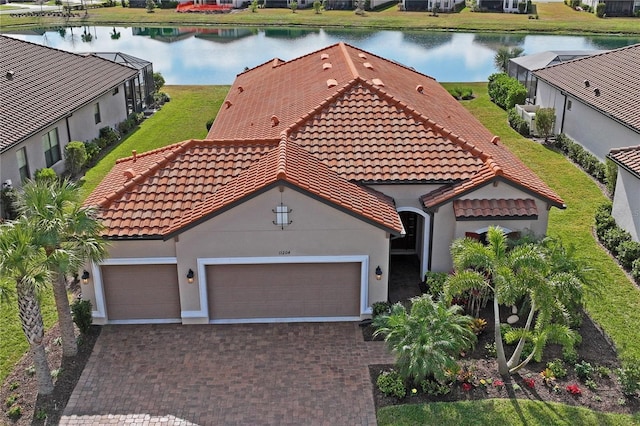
{"x":291,"y":290}
{"x":141,"y":292}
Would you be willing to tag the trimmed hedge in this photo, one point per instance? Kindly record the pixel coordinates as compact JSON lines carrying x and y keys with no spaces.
{"x":618,"y":241}
{"x":505,"y":91}
{"x":517,"y":123}
{"x":587,"y":161}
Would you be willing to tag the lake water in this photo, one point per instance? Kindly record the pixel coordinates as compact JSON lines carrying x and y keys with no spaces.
{"x":210,"y":55}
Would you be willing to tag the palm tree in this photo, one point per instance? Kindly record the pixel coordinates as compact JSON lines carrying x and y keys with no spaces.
{"x":546,"y":274}
{"x":428,"y":339}
{"x":70,"y":236}
{"x":494,"y":267}
{"x":501,"y":60}
{"x":22,"y":264}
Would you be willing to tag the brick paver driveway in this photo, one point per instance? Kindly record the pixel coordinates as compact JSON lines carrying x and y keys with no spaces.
{"x":255,"y":374}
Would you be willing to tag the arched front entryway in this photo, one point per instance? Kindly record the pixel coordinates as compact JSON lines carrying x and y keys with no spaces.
{"x":417,"y":226}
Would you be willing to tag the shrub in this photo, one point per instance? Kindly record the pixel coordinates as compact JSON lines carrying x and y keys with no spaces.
{"x":435,"y":282}
{"x":109,"y":136}
{"x":158,"y":81}
{"x":92,"y":150}
{"x":47,"y":174}
{"x":253,"y":6}
{"x":611,"y":175}
{"x":390,"y":383}
{"x":8,"y":199}
{"x":628,"y":252}
{"x":161,"y":98}
{"x":545,"y":120}
{"x":613,"y":237}
{"x":557,"y":368}
{"x":293,"y":6}
{"x":600,"y":8}
{"x":506,"y":91}
{"x":381,"y":308}
{"x":150,"y":5}
{"x":584,"y":370}
{"x":317,"y":6}
{"x":75,"y":157}
{"x":635,"y":270}
{"x":517,"y":123}
{"x":11,"y":399}
{"x":574,"y":389}
{"x":433,"y":387}
{"x":629,"y":377}
{"x":81,"y":312}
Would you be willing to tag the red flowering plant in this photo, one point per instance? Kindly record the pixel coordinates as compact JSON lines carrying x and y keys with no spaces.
{"x":467,"y":386}
{"x":499,"y":384}
{"x":574,"y":389}
{"x":530,"y":382}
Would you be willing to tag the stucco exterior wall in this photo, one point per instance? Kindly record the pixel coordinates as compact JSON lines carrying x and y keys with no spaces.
{"x":113,"y":110}
{"x":248,"y":231}
{"x":446,"y":228}
{"x":596,"y":132}
{"x":626,"y":203}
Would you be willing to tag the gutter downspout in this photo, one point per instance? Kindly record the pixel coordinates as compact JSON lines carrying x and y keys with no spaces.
{"x":66,"y":120}
{"x":564,"y":112}
{"x":431,"y":220}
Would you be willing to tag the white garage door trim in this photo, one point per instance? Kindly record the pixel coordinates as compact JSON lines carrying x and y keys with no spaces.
{"x":364,"y":284}
{"x":98,"y":286}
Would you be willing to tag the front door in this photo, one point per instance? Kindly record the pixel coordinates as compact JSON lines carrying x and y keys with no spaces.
{"x":408,"y":243}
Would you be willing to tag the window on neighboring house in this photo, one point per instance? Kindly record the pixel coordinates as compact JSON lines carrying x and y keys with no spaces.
{"x":96,"y":113}
{"x":51,"y":147}
{"x":23,"y":164}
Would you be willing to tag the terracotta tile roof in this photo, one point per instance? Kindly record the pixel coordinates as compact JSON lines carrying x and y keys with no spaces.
{"x":170,"y":189}
{"x":484,"y":208}
{"x":262,"y":103}
{"x":361,"y":120}
{"x":627,"y":158}
{"x":48,"y":84}
{"x":613,"y":73}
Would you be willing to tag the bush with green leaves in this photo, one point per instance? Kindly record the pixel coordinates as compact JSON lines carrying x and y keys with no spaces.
{"x":629,"y":377}
{"x":505,"y":91}
{"x":81,"y":312}
{"x":158,"y":81}
{"x":428,"y":339}
{"x":557,"y":368}
{"x":613,"y":238}
{"x":391,"y":383}
{"x":635,"y":270}
{"x":518,"y":123}
{"x":611,"y":176}
{"x":589,"y":163}
{"x":434,"y":282}
{"x":600,"y":10}
{"x":628,"y":252}
{"x":8,"y":200}
{"x":380,"y":308}
{"x":584,"y":370}
{"x":75,"y":157}
{"x":545,"y":121}
{"x":92,"y":150}
{"x":46,"y":174}
{"x":435,"y":388}
{"x":14,"y":412}
{"x":293,"y":6}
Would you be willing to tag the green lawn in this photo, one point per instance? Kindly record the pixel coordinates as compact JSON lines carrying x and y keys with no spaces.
{"x":512,"y":412}
{"x":185,"y":117}
{"x":13,"y":343}
{"x":553,"y":18}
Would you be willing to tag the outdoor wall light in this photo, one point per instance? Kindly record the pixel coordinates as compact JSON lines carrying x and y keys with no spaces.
{"x":85,"y":277}
{"x":190,"y":276}
{"x":378,"y":273}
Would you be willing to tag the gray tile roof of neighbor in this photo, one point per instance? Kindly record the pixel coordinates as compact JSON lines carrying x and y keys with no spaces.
{"x":608,"y":82}
{"x":40,"y":85}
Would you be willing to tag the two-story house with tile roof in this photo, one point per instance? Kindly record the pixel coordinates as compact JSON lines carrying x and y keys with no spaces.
{"x":315,"y":171}
{"x":49,"y":97}
{"x":595,"y":99}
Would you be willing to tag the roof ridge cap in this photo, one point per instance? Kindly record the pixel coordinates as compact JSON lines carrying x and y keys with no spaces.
{"x":155,"y":151}
{"x":350,"y":64}
{"x":281,"y":170}
{"x":624,"y":149}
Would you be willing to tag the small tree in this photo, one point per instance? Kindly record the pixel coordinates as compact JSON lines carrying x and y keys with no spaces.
{"x":158,"y":81}
{"x":545,"y":120}
{"x":75,"y":157}
{"x":428,"y":339}
{"x":293,"y":6}
{"x":317,"y":6}
{"x":501,"y":60}
{"x":253,"y":6}
{"x":150,"y":5}
{"x":46,"y":175}
{"x":600,"y":10}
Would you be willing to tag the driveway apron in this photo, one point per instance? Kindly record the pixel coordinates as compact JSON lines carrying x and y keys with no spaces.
{"x":244,"y":374}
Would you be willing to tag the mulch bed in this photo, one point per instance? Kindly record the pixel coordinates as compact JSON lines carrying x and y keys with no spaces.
{"x":596,"y":348}
{"x":26,"y":386}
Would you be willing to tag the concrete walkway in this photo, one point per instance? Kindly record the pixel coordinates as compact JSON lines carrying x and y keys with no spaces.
{"x":249,"y":374}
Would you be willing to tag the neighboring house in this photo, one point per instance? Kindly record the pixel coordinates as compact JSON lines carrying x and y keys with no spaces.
{"x":315,"y":171}
{"x":626,"y":200}
{"x":140,"y":89}
{"x":522,"y":67}
{"x":430,"y":5}
{"x":595,"y":99}
{"x":507,"y":6}
{"x":48,"y":98}
{"x":616,"y":7}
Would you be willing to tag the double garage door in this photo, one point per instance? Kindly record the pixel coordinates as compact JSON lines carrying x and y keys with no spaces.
{"x":237,"y":292}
